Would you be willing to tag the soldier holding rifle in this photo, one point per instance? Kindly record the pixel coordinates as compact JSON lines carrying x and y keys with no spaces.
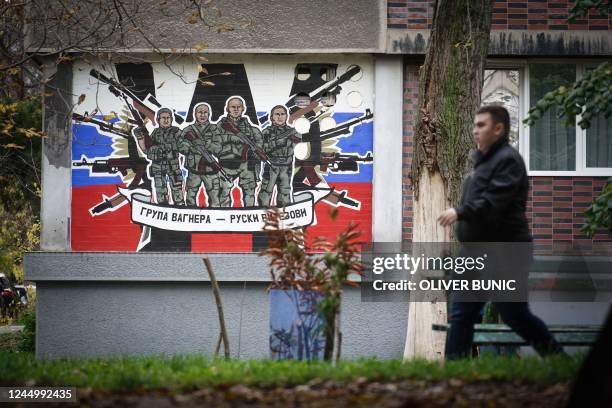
{"x":198,"y":142}
{"x":241,"y":152}
{"x":279,"y":143}
{"x":161,"y":147}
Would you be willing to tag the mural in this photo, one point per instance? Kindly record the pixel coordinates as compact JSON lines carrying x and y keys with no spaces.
{"x":148,"y":176}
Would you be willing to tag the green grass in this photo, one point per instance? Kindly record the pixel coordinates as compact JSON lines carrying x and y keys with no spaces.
{"x":10,"y":341}
{"x":192,"y":371}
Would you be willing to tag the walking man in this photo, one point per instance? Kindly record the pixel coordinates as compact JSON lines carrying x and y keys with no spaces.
{"x":492,"y":209}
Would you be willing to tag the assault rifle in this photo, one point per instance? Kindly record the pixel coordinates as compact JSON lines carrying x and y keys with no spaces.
{"x":210,"y":159}
{"x":333,"y":197}
{"x":332,"y":88}
{"x":283,"y":135}
{"x":119,"y":165}
{"x":122,"y":91}
{"x":342,"y":129}
{"x":137,"y":108}
{"x":338,"y":162}
{"x":107,"y":127}
{"x":258,"y":151}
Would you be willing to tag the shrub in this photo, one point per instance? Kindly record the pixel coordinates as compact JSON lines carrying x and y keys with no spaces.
{"x":28,"y":340}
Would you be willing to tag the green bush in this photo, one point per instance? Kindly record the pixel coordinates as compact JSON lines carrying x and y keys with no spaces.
{"x":28,"y":339}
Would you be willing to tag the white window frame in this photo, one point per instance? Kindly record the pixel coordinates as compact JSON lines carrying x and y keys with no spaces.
{"x":581,"y":135}
{"x":524,"y":130}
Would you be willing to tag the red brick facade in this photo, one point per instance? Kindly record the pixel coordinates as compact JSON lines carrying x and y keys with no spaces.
{"x":556,"y":204}
{"x":411,"y":100}
{"x":507,"y":15}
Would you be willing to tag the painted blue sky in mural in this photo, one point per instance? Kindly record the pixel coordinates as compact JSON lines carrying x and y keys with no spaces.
{"x":88,"y":142}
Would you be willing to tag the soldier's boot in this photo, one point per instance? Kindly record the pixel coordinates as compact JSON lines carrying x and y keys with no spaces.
{"x":177,"y":193}
{"x":211,"y":184}
{"x":191,"y":196}
{"x":265,"y":193}
{"x":161,"y":189}
{"x":225,"y":191}
{"x":248,"y":191}
{"x":283,"y":196}
{"x":193,"y":186}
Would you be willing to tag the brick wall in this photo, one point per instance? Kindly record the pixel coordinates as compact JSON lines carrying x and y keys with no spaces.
{"x":507,"y":15}
{"x":555,"y":208}
{"x":411,"y":100}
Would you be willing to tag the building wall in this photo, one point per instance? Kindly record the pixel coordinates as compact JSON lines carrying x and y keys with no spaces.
{"x":507,"y":15}
{"x":555,"y":210}
{"x":556,"y":204}
{"x":235,"y":26}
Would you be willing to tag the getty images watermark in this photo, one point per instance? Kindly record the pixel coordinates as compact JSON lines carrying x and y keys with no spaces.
{"x":490,"y":271}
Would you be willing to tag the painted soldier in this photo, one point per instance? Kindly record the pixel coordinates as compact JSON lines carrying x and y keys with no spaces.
{"x":161,"y":148}
{"x":279,"y":143}
{"x":241,"y":151}
{"x":198,"y":143}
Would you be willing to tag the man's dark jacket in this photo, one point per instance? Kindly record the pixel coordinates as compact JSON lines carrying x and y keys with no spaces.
{"x":494,"y":198}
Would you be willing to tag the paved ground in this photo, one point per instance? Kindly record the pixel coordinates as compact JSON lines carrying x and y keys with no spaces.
{"x":10,"y":329}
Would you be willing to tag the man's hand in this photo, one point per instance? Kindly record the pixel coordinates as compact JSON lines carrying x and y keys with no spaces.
{"x":448,"y":217}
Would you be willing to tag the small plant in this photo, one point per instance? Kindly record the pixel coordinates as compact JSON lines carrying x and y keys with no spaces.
{"x":28,"y":340}
{"x":323,"y":268}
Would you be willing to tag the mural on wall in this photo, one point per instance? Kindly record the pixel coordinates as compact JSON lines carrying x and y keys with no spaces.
{"x":150,"y":176}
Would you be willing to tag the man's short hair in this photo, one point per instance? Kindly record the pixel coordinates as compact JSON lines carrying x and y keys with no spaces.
{"x":199,"y":105}
{"x":235,"y":98}
{"x":283,"y":107}
{"x":499,"y":114}
{"x":163,"y":110}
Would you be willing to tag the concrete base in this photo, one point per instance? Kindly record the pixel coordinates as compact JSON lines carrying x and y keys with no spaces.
{"x":112,"y":304}
{"x":101,"y":304}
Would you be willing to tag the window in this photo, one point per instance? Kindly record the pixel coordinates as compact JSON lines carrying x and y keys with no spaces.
{"x":551,"y":148}
{"x":552,"y":145}
{"x":501,"y":87}
{"x":598,"y":142}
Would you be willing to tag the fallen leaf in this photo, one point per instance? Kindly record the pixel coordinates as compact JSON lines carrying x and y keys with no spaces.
{"x":207,"y":83}
{"x":201,"y":58}
{"x":223,"y":29}
{"x":13,"y":146}
{"x":162,"y":84}
{"x":81,"y":99}
{"x":202,"y":69}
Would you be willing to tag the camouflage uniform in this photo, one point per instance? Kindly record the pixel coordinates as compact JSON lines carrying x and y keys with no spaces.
{"x":193,"y":139}
{"x":280,"y":150}
{"x":164,"y":155}
{"x":238,"y":161}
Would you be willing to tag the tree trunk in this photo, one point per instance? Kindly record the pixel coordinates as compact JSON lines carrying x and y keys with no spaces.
{"x":449,"y":94}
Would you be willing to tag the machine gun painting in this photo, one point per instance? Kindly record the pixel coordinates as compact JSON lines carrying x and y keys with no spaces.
{"x":162,"y":163}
